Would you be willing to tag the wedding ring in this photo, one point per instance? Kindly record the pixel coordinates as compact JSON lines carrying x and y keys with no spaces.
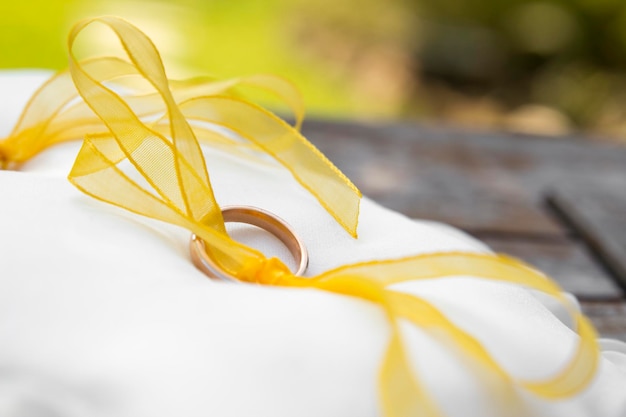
{"x":256,"y":217}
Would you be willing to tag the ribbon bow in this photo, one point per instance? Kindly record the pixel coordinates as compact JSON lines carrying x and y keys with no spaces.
{"x":178,"y":191}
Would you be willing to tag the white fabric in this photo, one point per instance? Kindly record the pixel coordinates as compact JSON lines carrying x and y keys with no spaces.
{"x":103,"y":314}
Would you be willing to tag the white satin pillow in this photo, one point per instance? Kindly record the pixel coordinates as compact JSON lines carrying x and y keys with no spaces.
{"x":103,"y":314}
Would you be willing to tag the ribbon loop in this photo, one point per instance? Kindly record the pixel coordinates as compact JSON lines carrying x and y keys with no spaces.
{"x":55,"y":113}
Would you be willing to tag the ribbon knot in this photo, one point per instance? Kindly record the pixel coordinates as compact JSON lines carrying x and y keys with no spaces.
{"x":8,"y":154}
{"x":264,"y":271}
{"x":18,"y":147}
{"x":4,"y":158}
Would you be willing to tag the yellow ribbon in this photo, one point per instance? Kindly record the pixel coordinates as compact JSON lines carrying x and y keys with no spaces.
{"x":55,"y":113}
{"x":179,"y":192}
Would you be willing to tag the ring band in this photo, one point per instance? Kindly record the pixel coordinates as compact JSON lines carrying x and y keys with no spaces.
{"x":256,"y":217}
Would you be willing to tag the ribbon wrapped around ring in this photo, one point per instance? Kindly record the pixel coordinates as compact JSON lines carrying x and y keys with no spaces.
{"x":175,"y":188}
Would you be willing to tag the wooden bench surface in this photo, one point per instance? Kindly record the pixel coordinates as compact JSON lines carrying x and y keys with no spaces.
{"x":559,"y":204}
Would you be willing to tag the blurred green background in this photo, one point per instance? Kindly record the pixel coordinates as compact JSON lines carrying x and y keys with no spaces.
{"x":545,"y":66}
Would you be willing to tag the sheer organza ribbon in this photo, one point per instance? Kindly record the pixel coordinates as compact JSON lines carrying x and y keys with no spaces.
{"x":176,"y":189}
{"x":55,"y":113}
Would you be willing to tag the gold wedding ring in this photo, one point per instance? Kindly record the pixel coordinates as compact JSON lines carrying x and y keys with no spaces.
{"x":256,"y":217}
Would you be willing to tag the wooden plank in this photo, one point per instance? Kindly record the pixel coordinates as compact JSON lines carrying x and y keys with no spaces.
{"x":609,"y":318}
{"x":474,"y":213}
{"x":598,"y":214}
{"x":474,"y":180}
{"x":568,"y":263}
{"x":448,"y":182}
